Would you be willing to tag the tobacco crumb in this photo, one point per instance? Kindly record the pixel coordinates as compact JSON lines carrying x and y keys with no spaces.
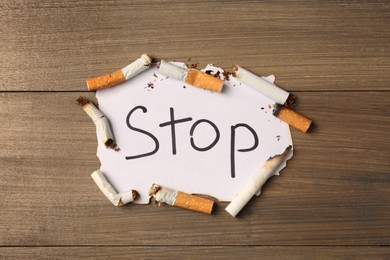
{"x":269,"y":106}
{"x":82,"y":101}
{"x":278,"y":137}
{"x":154,"y":75}
{"x":150,"y":85}
{"x":184,"y":86}
{"x":194,"y":65}
{"x":189,"y":59}
{"x":112,"y":145}
{"x":216,"y":75}
{"x":134,"y":194}
{"x":290,"y":102}
{"x":120,"y":203}
{"x":154,"y":189}
{"x":208,"y":72}
{"x":262,"y":108}
{"x":158,"y":65}
{"x":227,"y":74}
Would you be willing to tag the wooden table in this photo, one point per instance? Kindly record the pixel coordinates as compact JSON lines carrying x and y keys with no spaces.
{"x":333,"y":199}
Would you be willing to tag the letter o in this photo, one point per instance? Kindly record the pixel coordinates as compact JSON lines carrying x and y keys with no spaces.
{"x":217,"y":135}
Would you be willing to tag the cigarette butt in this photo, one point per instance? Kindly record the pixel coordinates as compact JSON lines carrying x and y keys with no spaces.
{"x":262,"y":86}
{"x":117,"y":77}
{"x":203,"y":80}
{"x":265,"y":172}
{"x":118,"y":199}
{"x":170,"y":70}
{"x":293,"y":118}
{"x":101,"y":122}
{"x":193,"y":77}
{"x":181,"y":199}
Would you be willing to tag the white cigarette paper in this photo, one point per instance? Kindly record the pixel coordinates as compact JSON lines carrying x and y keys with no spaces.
{"x":265,"y":172}
{"x":101,"y":122}
{"x":270,"y":90}
{"x":170,"y":70}
{"x":118,"y":199}
{"x":137,"y":66}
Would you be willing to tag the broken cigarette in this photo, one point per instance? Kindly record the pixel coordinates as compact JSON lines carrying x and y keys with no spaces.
{"x":116,"y":77}
{"x":266,"y":88}
{"x":193,"y":77}
{"x":101,"y":122}
{"x":293,"y":118}
{"x":181,"y":199}
{"x":266,"y":171}
{"x":118,"y":199}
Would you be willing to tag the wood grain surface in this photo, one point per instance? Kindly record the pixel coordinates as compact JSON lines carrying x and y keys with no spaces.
{"x":333,"y":199}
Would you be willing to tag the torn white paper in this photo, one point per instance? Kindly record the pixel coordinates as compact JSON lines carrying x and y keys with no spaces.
{"x":187,"y":138}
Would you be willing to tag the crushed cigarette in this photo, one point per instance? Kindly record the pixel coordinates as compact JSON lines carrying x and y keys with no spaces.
{"x":181,"y":199}
{"x":293,"y":118}
{"x":193,"y":77}
{"x":266,"y":88}
{"x":101,"y":122}
{"x":266,"y":171}
{"x":117,"y":77}
{"x":118,"y":199}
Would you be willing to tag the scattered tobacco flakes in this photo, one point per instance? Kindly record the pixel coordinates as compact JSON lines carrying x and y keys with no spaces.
{"x":278,"y":137}
{"x":227,"y":74}
{"x":150,"y":86}
{"x":290,"y":102}
{"x":216,"y":75}
{"x":194,"y":65}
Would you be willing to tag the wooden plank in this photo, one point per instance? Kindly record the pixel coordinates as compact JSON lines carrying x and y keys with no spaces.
{"x":309,"y":45}
{"x":335,"y":190}
{"x":196,"y":252}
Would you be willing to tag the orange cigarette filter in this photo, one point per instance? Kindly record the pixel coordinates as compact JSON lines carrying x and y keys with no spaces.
{"x":181,"y":199}
{"x":203,"y":80}
{"x":293,"y":118}
{"x":106,"y":81}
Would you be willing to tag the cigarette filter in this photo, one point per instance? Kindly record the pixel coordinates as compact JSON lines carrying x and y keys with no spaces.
{"x":193,"y":77}
{"x":181,"y":199}
{"x":273,"y":92}
{"x":265,"y":172}
{"x":293,"y":118}
{"x":101,"y":122}
{"x":116,"y":77}
{"x":118,"y":199}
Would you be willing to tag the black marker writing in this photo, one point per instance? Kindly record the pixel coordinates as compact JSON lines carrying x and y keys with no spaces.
{"x":233,"y":145}
{"x":143,"y":132}
{"x":172,"y":123}
{"x":212,"y":144}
